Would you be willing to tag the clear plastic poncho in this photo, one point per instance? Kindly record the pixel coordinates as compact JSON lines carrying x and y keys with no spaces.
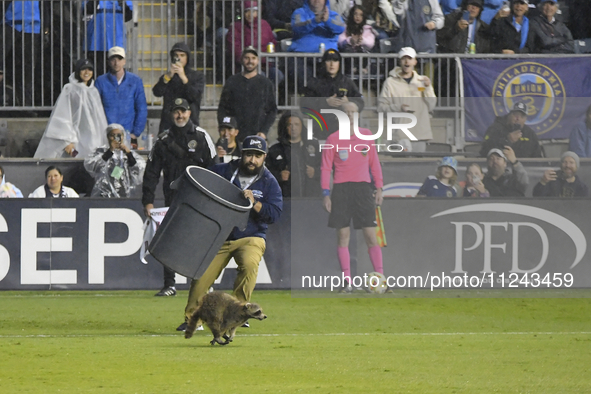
{"x":114,"y":178}
{"x":78,"y":117}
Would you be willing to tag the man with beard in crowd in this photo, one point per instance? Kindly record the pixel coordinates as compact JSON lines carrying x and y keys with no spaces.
{"x":250,"y":98}
{"x":246,"y":247}
{"x":501,"y":182}
{"x":564,"y":183}
{"x":183,"y":145}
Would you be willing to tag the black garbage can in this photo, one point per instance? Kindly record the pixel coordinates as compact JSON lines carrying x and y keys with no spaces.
{"x":202,"y":214}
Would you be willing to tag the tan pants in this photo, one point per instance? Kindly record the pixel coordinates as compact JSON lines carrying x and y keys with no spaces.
{"x":247,"y":253}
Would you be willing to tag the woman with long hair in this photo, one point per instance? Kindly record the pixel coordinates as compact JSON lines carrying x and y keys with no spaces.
{"x":358,"y":37}
{"x":78,"y":122}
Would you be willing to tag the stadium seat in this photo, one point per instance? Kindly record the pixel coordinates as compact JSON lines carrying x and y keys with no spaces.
{"x":438,"y":147}
{"x":472,"y":148}
{"x":385,"y":45}
{"x":554,"y":149}
{"x":285,"y":44}
{"x":583,"y":46}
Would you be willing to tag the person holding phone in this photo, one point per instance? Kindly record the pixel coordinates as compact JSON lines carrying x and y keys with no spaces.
{"x":116,"y":170}
{"x":464,"y":27}
{"x":227,"y":148}
{"x":180,"y":81}
{"x":564,"y":182}
{"x":474,"y":186}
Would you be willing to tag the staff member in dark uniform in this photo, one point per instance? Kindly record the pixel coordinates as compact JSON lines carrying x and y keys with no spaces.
{"x":184,"y":144}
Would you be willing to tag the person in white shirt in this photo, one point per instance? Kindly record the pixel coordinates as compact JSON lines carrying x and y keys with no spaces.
{"x":54,"y":187}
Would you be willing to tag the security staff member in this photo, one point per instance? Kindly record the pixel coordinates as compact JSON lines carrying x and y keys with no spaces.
{"x":183,"y":145}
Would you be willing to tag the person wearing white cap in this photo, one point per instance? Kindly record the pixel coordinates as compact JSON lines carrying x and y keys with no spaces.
{"x":511,"y":130}
{"x":499,"y":181}
{"x":123,"y":96}
{"x":406,"y":91}
{"x":563,"y":183}
{"x":549,"y":34}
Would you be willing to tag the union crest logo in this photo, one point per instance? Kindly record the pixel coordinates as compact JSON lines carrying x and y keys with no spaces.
{"x":536,"y":85}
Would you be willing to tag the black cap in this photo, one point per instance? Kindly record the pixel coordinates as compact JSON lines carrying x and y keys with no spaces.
{"x":250,"y":49}
{"x":254,"y":142}
{"x":520,"y":107}
{"x":477,"y":3}
{"x":83,"y":64}
{"x":331,"y":54}
{"x":181,"y":103}
{"x":229,"y":122}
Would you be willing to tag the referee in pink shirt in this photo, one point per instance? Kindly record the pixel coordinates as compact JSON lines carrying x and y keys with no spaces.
{"x":353,"y":196}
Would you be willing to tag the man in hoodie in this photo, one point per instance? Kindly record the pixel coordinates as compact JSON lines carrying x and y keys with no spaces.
{"x":123,"y":96}
{"x":179,"y":82}
{"x":250,"y":98}
{"x":406,"y":91}
{"x":330,"y":90}
{"x":178,"y":147}
{"x":511,"y":130}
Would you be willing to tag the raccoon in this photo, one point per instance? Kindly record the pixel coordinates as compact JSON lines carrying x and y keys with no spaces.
{"x":223,"y":313}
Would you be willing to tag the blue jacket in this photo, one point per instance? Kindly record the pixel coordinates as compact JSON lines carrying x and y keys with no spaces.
{"x":308,"y":34}
{"x":126,"y":103}
{"x":491,"y":7}
{"x":107,"y":29}
{"x":448,"y":6}
{"x":266,"y":190}
{"x":580,"y":140}
{"x":24,"y":16}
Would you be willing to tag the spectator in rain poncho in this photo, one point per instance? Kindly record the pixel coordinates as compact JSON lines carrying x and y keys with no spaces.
{"x":116,"y":169}
{"x":78,"y":121}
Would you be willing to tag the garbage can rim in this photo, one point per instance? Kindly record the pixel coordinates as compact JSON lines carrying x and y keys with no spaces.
{"x":215,"y":196}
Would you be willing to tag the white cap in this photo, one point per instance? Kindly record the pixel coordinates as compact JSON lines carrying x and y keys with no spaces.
{"x":116,"y":51}
{"x":407,"y":51}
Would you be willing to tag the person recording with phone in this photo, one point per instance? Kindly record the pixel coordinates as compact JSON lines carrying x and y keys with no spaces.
{"x":180,"y":81}
{"x":511,"y":130}
{"x":226,"y":147}
{"x":464,"y":31}
{"x":116,"y":170}
{"x":564,"y":182}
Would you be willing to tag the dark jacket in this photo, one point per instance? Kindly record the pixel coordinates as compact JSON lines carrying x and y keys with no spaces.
{"x":496,"y":137}
{"x":192,"y":91}
{"x":278,"y":12}
{"x":171,"y":155}
{"x":510,"y":184}
{"x":551,"y":37}
{"x":561,"y":188}
{"x":294,"y":158}
{"x":453,"y":40}
{"x":266,"y":190}
{"x":322,"y":87}
{"x":251,"y":102}
{"x":504,"y":36}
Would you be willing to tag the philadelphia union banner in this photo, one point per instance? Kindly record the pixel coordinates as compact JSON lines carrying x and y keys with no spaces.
{"x":557,"y":93}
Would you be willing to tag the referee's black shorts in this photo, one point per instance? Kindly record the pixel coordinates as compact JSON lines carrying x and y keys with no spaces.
{"x":352,"y":200}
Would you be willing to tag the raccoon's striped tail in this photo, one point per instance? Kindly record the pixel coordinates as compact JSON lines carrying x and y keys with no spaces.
{"x":192,"y":324}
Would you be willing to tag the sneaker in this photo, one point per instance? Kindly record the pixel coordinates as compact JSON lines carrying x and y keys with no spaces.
{"x":346,"y":290}
{"x":166,"y":292}
{"x":245,"y":325}
{"x":199,"y":328}
{"x":182,"y":327}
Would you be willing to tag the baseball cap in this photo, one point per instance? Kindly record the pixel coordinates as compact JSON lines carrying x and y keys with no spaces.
{"x":116,"y":51}
{"x":331,"y":54}
{"x":449,"y":161}
{"x":477,"y":3}
{"x":496,"y":151}
{"x":521,"y":1}
{"x":229,"y":122}
{"x":521,"y":107}
{"x":83,"y":64}
{"x":549,"y":1}
{"x":407,"y":51}
{"x":251,"y":5}
{"x":254,"y":142}
{"x":181,"y":103}
{"x":250,"y":49}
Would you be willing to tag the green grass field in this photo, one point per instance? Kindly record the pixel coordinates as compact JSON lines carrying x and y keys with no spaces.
{"x":125,"y":342}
